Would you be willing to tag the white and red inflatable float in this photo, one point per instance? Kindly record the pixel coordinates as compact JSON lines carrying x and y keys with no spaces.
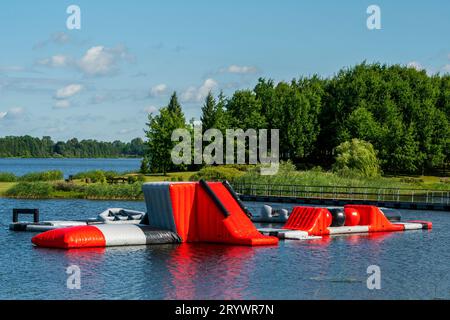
{"x":307,"y":222}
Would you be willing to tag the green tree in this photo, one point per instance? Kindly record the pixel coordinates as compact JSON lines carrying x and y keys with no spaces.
{"x":209,"y":113}
{"x":245,"y":111}
{"x":159,"y":134}
{"x":145,"y":168}
{"x":222,"y":121}
{"x":27,"y":146}
{"x":357,"y":157}
{"x":174,"y":106}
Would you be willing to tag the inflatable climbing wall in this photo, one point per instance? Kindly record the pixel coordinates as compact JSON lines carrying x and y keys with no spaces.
{"x":201,"y":212}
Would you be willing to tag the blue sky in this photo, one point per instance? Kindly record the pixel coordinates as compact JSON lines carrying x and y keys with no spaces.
{"x":101,"y":81}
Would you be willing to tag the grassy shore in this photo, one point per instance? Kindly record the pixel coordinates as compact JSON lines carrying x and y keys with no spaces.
{"x":87,"y":188}
{"x":80,"y":189}
{"x":5,"y":186}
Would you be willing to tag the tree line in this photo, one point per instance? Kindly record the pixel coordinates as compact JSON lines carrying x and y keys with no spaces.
{"x":31,"y":147}
{"x":403,"y":112}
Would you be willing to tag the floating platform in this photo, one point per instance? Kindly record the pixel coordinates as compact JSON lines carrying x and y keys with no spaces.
{"x":307,"y":222}
{"x":117,"y":216}
{"x":44,"y":225}
{"x":268,"y":214}
{"x":202,"y":212}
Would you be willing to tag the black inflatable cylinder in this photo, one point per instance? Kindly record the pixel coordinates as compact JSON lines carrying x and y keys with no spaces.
{"x":338,"y":217}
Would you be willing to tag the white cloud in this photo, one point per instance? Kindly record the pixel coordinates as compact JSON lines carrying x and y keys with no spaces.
{"x":16,"y":112}
{"x":56,"y":61}
{"x":158,"y":90}
{"x":240,"y":69}
{"x":415,"y":65}
{"x":126,"y":131}
{"x":99,"y":98}
{"x":193,"y":94}
{"x":68,"y":91}
{"x":96,"y":61}
{"x":13,"y":113}
{"x":59,"y":38}
{"x":100,"y":61}
{"x":53,"y":130}
{"x":62,"y":104}
{"x":446,"y":68}
{"x":12,"y":69}
{"x":150,"y":109}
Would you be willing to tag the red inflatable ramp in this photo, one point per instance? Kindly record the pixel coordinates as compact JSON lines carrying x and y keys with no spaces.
{"x":313,"y":220}
{"x":73,"y":237}
{"x":220,"y":218}
{"x":373,"y":217}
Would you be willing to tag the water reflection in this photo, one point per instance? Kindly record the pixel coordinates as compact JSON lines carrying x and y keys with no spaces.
{"x":222,"y":267}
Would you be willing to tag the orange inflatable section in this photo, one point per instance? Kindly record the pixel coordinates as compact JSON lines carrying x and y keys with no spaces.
{"x":73,"y":237}
{"x":199,"y":219}
{"x":237,"y":228}
{"x":372,"y":216}
{"x":183,"y":198}
{"x":313,"y":220}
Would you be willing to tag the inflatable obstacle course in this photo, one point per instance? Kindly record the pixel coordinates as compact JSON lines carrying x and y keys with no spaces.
{"x":268,"y":214}
{"x":314,"y":221}
{"x":271,"y":215}
{"x":109,"y":216}
{"x":176,"y":212}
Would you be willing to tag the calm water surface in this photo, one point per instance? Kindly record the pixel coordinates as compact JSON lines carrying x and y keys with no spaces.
{"x":68,"y":166}
{"x":413,"y":264}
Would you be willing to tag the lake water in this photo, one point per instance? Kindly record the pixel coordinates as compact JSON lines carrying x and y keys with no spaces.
{"x":414,"y":265}
{"x":69,"y":166}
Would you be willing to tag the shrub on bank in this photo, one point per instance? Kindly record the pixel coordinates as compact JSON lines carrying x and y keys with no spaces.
{"x":7,"y":177}
{"x":52,"y":175}
{"x":116,"y":191}
{"x":216,"y":174}
{"x":96,"y":176}
{"x":30,"y":190}
{"x":356,"y":158}
{"x":67,"y":187}
{"x":288,"y":176}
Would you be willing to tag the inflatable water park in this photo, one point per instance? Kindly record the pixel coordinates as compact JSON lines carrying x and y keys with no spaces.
{"x":208,"y":212}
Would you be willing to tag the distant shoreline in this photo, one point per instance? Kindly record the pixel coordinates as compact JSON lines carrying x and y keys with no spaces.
{"x":63,"y":158}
